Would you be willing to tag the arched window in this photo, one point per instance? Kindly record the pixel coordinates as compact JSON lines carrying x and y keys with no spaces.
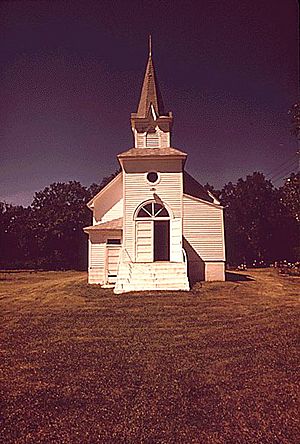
{"x":153,"y":210}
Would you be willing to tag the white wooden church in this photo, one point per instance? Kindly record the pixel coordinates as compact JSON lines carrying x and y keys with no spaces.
{"x":154,"y":226}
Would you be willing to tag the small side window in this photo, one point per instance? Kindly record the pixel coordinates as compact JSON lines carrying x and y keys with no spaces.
{"x":113,"y":242}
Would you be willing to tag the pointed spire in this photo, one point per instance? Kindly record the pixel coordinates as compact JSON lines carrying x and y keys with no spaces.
{"x":150,"y":94}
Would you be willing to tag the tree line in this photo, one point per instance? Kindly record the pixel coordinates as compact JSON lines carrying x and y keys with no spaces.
{"x":262,"y":223}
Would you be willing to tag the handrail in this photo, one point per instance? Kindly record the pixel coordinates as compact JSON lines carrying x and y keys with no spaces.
{"x":129,"y":257}
{"x":184,"y":259}
{"x":140,"y":264}
{"x":128,"y":264}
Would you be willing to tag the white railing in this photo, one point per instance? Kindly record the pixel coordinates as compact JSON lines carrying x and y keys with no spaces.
{"x":128,"y":263}
{"x":184,"y":258}
{"x":127,"y":254}
{"x":121,"y":279}
{"x":143,"y":265}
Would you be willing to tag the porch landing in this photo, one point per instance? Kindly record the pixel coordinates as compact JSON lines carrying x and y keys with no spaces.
{"x":151,"y":276}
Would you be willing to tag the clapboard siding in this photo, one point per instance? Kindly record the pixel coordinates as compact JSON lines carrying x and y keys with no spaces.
{"x":203,"y":229}
{"x":108,"y":199}
{"x":140,"y":140}
{"x":138,"y":190}
{"x":114,"y":213}
{"x":97,"y":252}
{"x":164,"y":139}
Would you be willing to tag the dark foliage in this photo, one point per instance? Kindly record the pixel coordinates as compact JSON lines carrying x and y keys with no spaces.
{"x":295,"y":119}
{"x":260,"y":221}
{"x":95,"y":188}
{"x":49,"y":233}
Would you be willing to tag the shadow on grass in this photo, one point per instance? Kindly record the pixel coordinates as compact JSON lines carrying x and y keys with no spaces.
{"x":236,"y":277}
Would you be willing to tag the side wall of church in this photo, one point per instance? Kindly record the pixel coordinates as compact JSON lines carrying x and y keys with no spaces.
{"x":203,"y":231}
{"x":114,"y":213}
{"x":107,"y":204}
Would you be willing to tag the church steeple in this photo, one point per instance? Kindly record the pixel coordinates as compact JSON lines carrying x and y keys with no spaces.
{"x":150,"y":94}
{"x":151,"y":125}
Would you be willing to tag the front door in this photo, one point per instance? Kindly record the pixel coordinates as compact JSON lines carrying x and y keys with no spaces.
{"x":161,"y":240}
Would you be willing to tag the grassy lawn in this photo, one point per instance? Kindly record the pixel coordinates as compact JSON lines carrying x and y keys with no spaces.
{"x":215,"y":365}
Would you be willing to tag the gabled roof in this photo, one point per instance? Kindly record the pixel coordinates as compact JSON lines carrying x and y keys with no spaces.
{"x":104,"y":189}
{"x":152,"y":152}
{"x":193,"y":188}
{"x":150,"y":93}
{"x":115,"y":224}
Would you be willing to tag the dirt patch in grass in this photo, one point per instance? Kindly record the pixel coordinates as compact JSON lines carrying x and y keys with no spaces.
{"x":215,"y":365}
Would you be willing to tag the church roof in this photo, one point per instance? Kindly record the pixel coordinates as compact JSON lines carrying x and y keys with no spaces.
{"x":103,"y":190}
{"x":115,"y":224}
{"x":150,"y":93}
{"x":152,"y":152}
{"x":193,"y":188}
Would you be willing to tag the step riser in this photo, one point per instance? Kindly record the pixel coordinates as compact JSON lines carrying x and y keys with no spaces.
{"x":136,"y":288}
{"x":157,"y":281}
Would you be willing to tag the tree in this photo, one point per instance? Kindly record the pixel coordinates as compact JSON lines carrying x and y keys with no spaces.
{"x":290,"y":195}
{"x":295,"y":120}
{"x":290,"y":198}
{"x":16,"y":245}
{"x":48,"y":234}
{"x":212,"y":190}
{"x":94,"y":188}
{"x":257,"y":224}
{"x":59,"y":215}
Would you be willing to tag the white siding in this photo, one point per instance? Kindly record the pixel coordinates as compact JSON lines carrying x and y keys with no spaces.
{"x":97,"y":255}
{"x":176,"y":240}
{"x":162,"y":132}
{"x":164,"y":139}
{"x":108,"y":199}
{"x":138,"y":190}
{"x":114,"y":213}
{"x":203,"y":229}
{"x":215,"y":271}
{"x":140,"y":140}
{"x":144,"y":241}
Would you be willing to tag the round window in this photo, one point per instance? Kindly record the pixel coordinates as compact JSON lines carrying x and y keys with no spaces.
{"x":152,"y":177}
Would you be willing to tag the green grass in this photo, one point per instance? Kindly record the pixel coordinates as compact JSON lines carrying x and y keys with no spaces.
{"x":214,"y":365}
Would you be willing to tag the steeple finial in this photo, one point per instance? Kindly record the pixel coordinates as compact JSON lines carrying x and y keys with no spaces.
{"x":150,"y":45}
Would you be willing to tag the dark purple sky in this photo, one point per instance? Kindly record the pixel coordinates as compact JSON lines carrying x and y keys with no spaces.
{"x":71,"y":74}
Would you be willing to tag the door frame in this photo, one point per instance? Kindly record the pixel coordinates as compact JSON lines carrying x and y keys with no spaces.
{"x":152,"y":219}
